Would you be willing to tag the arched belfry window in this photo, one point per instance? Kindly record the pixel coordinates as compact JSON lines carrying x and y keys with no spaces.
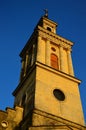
{"x":54,"y":61}
{"x":49,"y":29}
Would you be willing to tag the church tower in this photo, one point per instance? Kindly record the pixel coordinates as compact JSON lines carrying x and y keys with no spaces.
{"x":48,"y":90}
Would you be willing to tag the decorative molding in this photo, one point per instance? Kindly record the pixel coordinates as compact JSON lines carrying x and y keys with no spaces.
{"x":54,"y":37}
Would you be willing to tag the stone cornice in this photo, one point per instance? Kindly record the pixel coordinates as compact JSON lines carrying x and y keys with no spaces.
{"x":29,"y":43}
{"x":58,"y":72}
{"x":21,"y":84}
{"x":49,"y":21}
{"x":67,"y":124}
{"x":54,"y":37}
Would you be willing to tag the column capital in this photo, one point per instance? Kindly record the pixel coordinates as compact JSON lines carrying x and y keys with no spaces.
{"x":27,"y":52}
{"x":60,"y":45}
{"x":69,"y":50}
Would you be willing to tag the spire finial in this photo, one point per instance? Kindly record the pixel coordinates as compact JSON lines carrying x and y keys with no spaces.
{"x":46,"y":13}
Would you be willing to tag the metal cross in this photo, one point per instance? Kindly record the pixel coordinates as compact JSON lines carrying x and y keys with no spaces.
{"x":46,"y":13}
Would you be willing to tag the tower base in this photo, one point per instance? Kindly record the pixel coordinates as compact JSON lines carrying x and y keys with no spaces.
{"x":45,"y":121}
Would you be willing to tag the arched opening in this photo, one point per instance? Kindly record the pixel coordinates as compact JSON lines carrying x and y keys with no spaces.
{"x":49,"y":29}
{"x":54,"y":61}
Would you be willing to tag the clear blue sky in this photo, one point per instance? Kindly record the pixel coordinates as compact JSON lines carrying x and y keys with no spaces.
{"x":17,"y":21}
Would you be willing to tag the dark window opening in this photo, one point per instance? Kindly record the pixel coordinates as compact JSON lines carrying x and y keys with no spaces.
{"x":53,"y":49}
{"x":59,"y":94}
{"x":49,"y":29}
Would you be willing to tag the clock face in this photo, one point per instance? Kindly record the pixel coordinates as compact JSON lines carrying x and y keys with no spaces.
{"x":59,"y":94}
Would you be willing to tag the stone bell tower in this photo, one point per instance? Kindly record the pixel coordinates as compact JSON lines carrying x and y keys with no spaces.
{"x":48,"y":90}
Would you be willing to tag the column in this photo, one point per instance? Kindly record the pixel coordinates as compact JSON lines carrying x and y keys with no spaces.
{"x":47,"y":55}
{"x":22,"y":69}
{"x":62,"y":59}
{"x":23,"y":64}
{"x":26,"y":63}
{"x":70,"y":66}
{"x":33,"y":54}
{"x":39,"y":49}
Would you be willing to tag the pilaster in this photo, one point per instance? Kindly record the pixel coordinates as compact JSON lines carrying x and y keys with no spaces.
{"x":47,"y":58}
{"x":26,"y":62}
{"x":61,"y":59}
{"x":39,"y":49}
{"x":70,"y":66}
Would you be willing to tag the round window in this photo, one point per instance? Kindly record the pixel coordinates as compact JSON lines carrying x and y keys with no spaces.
{"x":53,"y":49}
{"x":59,"y":94}
{"x":4,"y":124}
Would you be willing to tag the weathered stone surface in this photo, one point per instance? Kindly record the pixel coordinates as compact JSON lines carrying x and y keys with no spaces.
{"x":11,"y":118}
{"x":46,"y":67}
